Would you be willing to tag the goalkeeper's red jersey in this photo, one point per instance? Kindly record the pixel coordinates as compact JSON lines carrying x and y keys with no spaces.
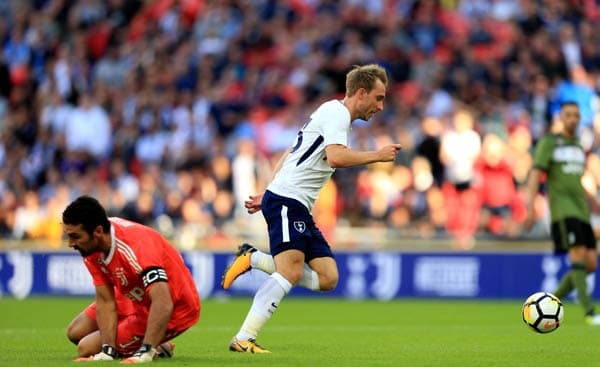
{"x":139,"y":257}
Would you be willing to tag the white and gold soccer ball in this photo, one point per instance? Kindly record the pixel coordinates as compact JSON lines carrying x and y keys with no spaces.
{"x":543,"y":312}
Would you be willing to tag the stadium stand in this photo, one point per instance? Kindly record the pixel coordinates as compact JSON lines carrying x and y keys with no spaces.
{"x":172,"y":112}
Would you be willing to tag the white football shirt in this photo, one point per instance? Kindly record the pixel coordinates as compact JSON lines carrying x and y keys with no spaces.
{"x":305,"y":170}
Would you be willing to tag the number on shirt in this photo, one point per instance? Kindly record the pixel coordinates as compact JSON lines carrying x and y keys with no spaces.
{"x":299,"y":139}
{"x":298,"y":142}
{"x":310,"y":150}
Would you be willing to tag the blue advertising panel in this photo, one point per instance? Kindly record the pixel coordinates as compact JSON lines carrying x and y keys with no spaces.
{"x":379,"y":275}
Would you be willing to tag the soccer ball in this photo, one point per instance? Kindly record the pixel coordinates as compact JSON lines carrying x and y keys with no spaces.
{"x":542,"y":312}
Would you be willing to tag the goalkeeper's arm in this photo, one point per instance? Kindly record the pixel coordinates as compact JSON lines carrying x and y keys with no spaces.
{"x":106,"y":314}
{"x":161,"y":308}
{"x":106,"y":318}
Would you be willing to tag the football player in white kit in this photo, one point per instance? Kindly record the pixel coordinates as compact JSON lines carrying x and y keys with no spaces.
{"x":299,"y":252}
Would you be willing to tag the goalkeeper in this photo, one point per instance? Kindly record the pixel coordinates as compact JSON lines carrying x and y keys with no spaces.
{"x":128,"y":260}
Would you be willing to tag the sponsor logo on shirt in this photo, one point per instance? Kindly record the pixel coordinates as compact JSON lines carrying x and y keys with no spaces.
{"x":569,"y":153}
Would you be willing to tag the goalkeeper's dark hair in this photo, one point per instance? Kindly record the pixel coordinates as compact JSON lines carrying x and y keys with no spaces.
{"x":88,"y":212}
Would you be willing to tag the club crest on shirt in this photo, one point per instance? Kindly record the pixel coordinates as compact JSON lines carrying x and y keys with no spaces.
{"x":120,"y":273}
{"x":300,"y":226}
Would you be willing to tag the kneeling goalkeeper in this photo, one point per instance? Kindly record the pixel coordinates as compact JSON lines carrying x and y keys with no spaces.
{"x":131,"y":260}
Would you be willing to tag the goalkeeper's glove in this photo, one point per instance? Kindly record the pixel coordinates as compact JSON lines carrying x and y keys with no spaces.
{"x":146,"y":353}
{"x":108,"y":353}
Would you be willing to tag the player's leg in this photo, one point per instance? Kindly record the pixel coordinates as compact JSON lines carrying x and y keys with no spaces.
{"x":289,"y":224}
{"x":287,"y":221}
{"x":322,"y":272}
{"x":577,"y":255}
{"x":177,"y":327}
{"x":83,"y":324}
{"x":578,"y":272}
{"x":576,"y":235}
{"x":89,"y":344}
{"x":289,"y":264}
{"x":591,"y":264}
{"x":561,"y":246}
{"x":130,"y":332}
{"x":326,"y":271}
{"x":247,"y":257}
{"x":291,"y":269}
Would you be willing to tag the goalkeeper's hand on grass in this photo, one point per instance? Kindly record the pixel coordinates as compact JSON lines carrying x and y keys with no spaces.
{"x":145,"y":354}
{"x":108,"y":353}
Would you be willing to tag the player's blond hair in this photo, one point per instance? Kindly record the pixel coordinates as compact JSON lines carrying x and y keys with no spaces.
{"x":364,"y":76}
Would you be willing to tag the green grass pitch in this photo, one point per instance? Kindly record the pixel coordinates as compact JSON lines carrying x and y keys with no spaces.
{"x":327,"y":332}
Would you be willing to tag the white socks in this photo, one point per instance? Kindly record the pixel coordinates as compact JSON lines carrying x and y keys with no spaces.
{"x":266,"y":301}
{"x":310,"y":279}
{"x":262,"y":261}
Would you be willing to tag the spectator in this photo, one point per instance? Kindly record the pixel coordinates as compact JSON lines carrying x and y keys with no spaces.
{"x":27,"y":217}
{"x":88,"y":130}
{"x":502,"y":209}
{"x":459,"y":150}
{"x":171,"y":87}
{"x":429,"y":147}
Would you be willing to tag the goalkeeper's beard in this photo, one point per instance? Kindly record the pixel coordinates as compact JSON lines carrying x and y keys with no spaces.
{"x":83,"y":252}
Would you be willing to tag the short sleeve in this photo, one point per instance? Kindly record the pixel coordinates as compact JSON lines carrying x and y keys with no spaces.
{"x":336,"y":122}
{"x":543,"y":153}
{"x":148,"y":249}
{"x":98,"y":277}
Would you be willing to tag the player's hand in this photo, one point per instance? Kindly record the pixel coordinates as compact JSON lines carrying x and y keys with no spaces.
{"x":108,"y":353}
{"x":388,"y":153}
{"x":145,"y":354}
{"x":253,"y":204}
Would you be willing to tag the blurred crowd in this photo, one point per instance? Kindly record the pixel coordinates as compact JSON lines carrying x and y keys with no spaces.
{"x":172,"y":112}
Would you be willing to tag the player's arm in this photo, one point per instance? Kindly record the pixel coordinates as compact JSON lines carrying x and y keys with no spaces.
{"x":106,"y":318}
{"x":161,"y":307}
{"x":541,"y":163}
{"x":340,"y":156}
{"x":533,"y":184}
{"x":106,"y":314}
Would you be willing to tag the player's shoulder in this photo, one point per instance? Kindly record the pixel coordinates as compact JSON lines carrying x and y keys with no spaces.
{"x":122,"y":222}
{"x":333,"y":104}
{"x":548,"y":139}
{"x":332,"y":110}
{"x":333,"y":107}
{"x":131,"y":232}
